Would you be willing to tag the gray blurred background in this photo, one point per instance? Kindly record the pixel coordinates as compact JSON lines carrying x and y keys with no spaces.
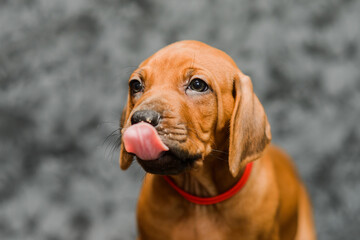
{"x":63,"y":72}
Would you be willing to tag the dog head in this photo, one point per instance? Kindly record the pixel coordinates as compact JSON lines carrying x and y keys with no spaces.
{"x":196,"y":99}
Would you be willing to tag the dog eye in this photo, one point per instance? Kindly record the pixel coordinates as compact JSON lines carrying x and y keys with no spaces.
{"x":198,"y":85}
{"x":136,"y":86}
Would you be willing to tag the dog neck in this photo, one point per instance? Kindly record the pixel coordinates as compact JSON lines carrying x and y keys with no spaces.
{"x":208,"y":178}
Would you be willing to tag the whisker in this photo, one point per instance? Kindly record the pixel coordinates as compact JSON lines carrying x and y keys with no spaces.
{"x":219,"y":151}
{"x":217,"y":157}
{"x":112,"y":141}
{"x":112,"y":134}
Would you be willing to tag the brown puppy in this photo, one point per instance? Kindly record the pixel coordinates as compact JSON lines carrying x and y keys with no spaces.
{"x":205,"y":111}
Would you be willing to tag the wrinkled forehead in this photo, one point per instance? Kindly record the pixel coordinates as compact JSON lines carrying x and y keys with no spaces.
{"x":187,"y":57}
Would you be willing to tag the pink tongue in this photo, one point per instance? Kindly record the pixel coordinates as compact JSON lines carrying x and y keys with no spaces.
{"x":143,"y":140}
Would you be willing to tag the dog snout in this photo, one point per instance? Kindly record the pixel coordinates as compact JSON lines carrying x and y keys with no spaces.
{"x":149,"y":116}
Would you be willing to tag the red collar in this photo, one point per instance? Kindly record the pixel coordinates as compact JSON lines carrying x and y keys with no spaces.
{"x":212,"y":200}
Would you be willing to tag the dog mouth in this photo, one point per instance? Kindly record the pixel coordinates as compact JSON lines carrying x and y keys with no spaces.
{"x":171,"y":162}
{"x":156,"y":154}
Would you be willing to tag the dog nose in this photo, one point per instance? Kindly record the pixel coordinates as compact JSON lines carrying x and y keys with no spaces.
{"x":148,"y":116}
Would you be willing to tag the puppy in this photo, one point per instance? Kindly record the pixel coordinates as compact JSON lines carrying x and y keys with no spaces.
{"x":194,"y":124}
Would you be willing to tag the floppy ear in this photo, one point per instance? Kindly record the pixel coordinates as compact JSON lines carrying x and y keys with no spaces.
{"x":125,"y":158}
{"x":249,"y":128}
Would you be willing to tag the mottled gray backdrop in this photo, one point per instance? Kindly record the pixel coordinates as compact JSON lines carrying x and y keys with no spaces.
{"x":63,"y":71}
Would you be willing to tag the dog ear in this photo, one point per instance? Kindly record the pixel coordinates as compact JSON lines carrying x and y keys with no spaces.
{"x":125,"y":158}
{"x":249,"y":128}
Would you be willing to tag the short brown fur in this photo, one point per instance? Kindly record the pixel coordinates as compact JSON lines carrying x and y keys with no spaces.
{"x":228,"y":127}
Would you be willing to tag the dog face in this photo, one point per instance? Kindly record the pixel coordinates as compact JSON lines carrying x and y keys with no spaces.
{"x":196,"y":99}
